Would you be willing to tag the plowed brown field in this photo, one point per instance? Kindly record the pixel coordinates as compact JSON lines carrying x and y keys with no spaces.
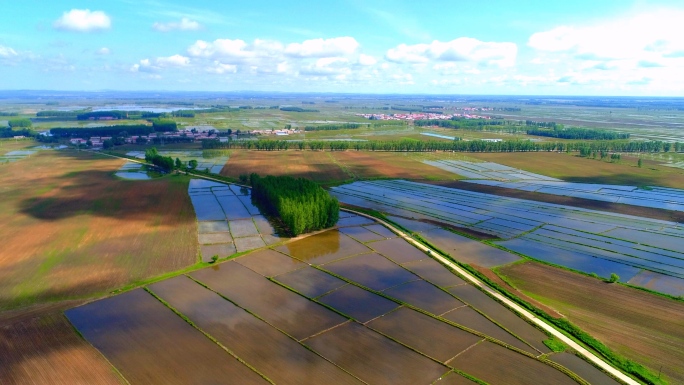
{"x":638,"y":325}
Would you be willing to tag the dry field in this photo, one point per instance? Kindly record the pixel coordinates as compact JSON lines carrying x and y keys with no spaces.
{"x":638,"y":325}
{"x":573,"y":168}
{"x":70,"y":229}
{"x":332,"y":167}
{"x":46,"y":349}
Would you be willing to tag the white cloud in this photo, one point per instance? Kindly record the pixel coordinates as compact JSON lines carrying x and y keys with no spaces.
{"x":327,"y":67}
{"x":103,"y":51}
{"x":235,"y":51}
{"x":184,"y":24}
{"x":83,"y":20}
{"x":645,"y":36}
{"x":463,"y":49}
{"x":7,"y":52}
{"x":147,"y":65}
{"x":173,"y":61}
{"x":220,"y":68}
{"x":367,"y":60}
{"x":339,"y":46}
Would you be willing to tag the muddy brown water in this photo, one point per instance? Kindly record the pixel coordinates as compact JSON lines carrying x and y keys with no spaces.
{"x":471,"y":319}
{"x":424,"y":295}
{"x":148,"y":343}
{"x":279,"y":357}
{"x":324,"y":247}
{"x":279,"y":306}
{"x":371,"y":270}
{"x":382,"y":230}
{"x":583,"y":369}
{"x":454,"y":379}
{"x":398,"y":250}
{"x":374,"y":358}
{"x":425,"y":334}
{"x":360,"y":304}
{"x":502,"y":315}
{"x":310,"y":282}
{"x":361,"y":234}
{"x":467,"y":250}
{"x":434,"y":272}
{"x":497,"y":365}
{"x":269,"y":262}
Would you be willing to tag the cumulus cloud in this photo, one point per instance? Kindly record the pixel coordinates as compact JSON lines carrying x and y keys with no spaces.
{"x":184,"y":24}
{"x":463,"y":49}
{"x":327,"y":67}
{"x":318,"y":48}
{"x":367,"y":60}
{"x":103,"y":51}
{"x":147,"y":65}
{"x":220,"y":68}
{"x":83,"y":20}
{"x":7,"y":52}
{"x":642,"y":37}
{"x":235,"y":50}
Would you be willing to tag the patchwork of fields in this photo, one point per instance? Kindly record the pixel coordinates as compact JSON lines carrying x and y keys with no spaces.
{"x":644,"y":252}
{"x":228,"y":221}
{"x":354,"y":305}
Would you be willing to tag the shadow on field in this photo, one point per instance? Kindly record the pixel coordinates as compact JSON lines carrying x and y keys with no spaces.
{"x":99,"y":193}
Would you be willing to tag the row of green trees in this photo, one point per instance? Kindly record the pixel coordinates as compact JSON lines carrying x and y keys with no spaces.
{"x":326,"y":127}
{"x":166,"y":163}
{"x":164,"y":125}
{"x":8,"y":132}
{"x":473,"y":124}
{"x":297,"y":109}
{"x":130,"y":129}
{"x":578,"y":133}
{"x":458,"y":146}
{"x":301,"y":204}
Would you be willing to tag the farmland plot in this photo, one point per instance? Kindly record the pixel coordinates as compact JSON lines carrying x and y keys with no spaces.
{"x":228,"y":222}
{"x":265,"y":312}
{"x":586,"y":240}
{"x":211,"y":160}
{"x":486,"y":171}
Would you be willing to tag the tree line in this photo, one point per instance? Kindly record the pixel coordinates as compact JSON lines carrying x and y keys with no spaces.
{"x":297,"y":109}
{"x":130,"y":129}
{"x":301,"y":204}
{"x":457,"y":146}
{"x":578,"y":133}
{"x":166,"y":163}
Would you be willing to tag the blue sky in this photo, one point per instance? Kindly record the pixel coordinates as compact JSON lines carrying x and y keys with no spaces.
{"x":579,"y":47}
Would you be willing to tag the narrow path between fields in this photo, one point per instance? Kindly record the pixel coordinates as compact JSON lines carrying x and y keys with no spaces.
{"x":580,"y":349}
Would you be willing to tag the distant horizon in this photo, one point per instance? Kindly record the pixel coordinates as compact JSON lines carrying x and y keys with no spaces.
{"x":610,"y":47}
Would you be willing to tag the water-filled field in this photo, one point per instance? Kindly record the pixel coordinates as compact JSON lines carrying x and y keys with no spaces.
{"x":329,"y":308}
{"x":655,"y":197}
{"x":586,"y":240}
{"x":228,"y":221}
{"x":486,"y":170}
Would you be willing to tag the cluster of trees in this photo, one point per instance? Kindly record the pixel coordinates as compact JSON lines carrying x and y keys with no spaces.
{"x":166,"y":163}
{"x":164,"y":125}
{"x":458,"y":146}
{"x":59,"y":114}
{"x":20,"y":122}
{"x":301,"y":204}
{"x":8,"y":132}
{"x":586,"y":151}
{"x":297,"y":109}
{"x":325,"y":127}
{"x":114,"y":114}
{"x":472,"y":124}
{"x":136,"y":129}
{"x":552,"y":125}
{"x":578,"y":133}
{"x":9,"y":114}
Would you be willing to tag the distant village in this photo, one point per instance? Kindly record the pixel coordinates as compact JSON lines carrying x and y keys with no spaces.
{"x":422,"y":116}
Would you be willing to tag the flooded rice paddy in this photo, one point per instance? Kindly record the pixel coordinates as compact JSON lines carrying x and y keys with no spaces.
{"x":655,"y":197}
{"x":136,"y":171}
{"x":228,"y":221}
{"x":637,"y":249}
{"x":344,"y":312}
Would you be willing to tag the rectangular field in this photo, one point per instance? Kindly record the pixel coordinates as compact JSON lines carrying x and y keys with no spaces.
{"x":325,"y":247}
{"x":371,"y":270}
{"x":280,"y":307}
{"x":280,"y":358}
{"x":147,"y":341}
{"x":374,"y":358}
